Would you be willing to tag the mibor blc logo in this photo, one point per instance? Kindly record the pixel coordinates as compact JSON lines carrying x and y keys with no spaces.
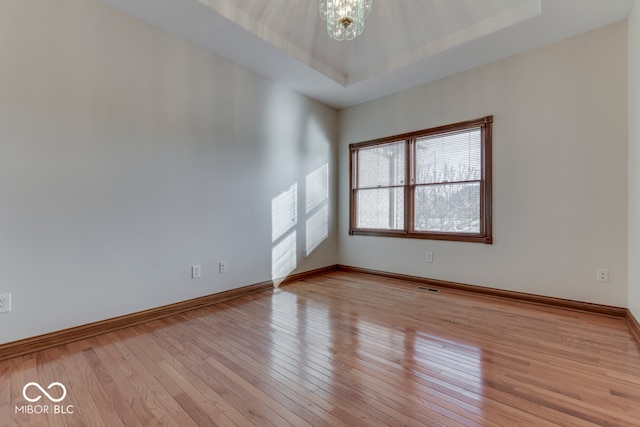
{"x":55,"y":392}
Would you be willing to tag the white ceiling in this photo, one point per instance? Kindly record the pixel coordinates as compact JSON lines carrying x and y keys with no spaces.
{"x":405,"y":42}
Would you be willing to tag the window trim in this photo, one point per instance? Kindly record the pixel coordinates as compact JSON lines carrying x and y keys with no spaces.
{"x":483,"y":236}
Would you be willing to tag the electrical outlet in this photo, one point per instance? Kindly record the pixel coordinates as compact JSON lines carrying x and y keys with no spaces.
{"x":428,"y":257}
{"x":196,"y":271}
{"x":602,"y":275}
{"x":223,"y":267}
{"x":5,"y":303}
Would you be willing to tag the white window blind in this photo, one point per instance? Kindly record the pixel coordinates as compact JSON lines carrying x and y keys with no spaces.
{"x":381,"y":174}
{"x":447,"y":175}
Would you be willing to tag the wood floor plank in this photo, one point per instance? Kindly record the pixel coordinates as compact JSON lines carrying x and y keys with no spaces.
{"x":191,"y":373}
{"x":165,"y":409}
{"x":50,"y":370}
{"x":85,"y":411}
{"x":286,"y":360}
{"x":95,"y":389}
{"x":289,"y":393}
{"x":132,"y":396}
{"x":19,"y":368}
{"x":6,"y":411}
{"x":344,"y":349}
{"x":321,"y":366}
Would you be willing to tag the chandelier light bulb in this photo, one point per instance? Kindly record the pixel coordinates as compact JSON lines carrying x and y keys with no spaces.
{"x":345,"y":18}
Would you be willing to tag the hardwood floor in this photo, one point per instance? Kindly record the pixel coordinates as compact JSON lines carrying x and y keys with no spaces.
{"x":342,"y":349}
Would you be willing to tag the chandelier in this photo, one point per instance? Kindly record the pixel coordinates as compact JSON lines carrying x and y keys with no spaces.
{"x":345,"y":18}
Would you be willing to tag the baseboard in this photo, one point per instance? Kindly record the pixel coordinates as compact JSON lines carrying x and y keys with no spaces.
{"x":634,"y":325}
{"x":66,"y":336}
{"x":308,"y":274}
{"x":500,"y":293}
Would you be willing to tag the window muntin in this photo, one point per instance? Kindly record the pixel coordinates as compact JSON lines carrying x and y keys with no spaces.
{"x":433,"y":184}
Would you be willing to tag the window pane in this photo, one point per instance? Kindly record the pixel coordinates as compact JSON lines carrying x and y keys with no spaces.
{"x":451,"y":208}
{"x":449,"y":157}
{"x":381,"y":208}
{"x":382,"y":165}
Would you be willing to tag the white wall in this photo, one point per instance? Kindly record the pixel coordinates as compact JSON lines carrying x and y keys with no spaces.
{"x":127,"y":155}
{"x":560,"y":175}
{"x":634,"y":161}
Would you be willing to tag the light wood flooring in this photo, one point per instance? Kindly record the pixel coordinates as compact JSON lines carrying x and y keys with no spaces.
{"x":342,"y":349}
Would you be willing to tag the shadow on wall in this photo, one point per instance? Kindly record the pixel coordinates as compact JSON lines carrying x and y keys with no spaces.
{"x":285,"y":222}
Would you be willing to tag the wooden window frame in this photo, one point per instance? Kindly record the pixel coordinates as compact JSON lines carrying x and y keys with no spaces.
{"x":485,"y":124}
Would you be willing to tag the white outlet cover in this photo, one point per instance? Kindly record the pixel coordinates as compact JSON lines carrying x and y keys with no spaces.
{"x":602,"y":275}
{"x":196,"y":272}
{"x":5,"y":303}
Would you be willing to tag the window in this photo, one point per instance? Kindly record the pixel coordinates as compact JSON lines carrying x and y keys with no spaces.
{"x":430,"y":184}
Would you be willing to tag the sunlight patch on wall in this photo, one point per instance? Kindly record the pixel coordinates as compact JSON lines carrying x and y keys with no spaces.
{"x":283,"y":258}
{"x":284,"y":218}
{"x":317,"y":208}
{"x":317,"y":229}
{"x":284,"y":212}
{"x":317,"y":187}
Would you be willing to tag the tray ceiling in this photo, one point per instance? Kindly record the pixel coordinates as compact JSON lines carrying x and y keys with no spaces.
{"x":405,"y":42}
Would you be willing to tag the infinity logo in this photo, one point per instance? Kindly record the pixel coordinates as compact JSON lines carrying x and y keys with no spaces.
{"x":43,"y":391}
